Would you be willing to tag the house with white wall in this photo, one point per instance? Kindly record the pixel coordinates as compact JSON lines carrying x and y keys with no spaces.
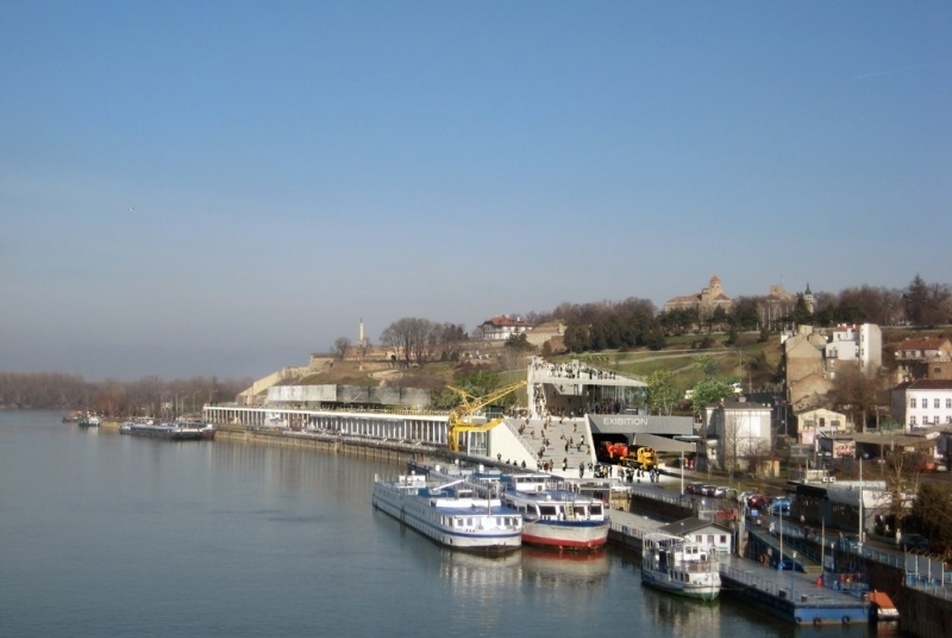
{"x":738,"y":432}
{"x":500,"y":328}
{"x":862,"y":344}
{"x":922,"y":403}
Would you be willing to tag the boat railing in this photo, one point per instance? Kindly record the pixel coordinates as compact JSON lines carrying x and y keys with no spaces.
{"x":696,"y":565}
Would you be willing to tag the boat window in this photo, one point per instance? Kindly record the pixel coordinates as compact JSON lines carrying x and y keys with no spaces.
{"x":580,"y":510}
{"x":596,"y":509}
{"x":548,"y":510}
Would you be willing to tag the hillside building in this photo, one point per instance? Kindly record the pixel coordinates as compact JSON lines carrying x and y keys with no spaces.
{"x":501,"y":327}
{"x":924,"y":358}
{"x":705,"y":302}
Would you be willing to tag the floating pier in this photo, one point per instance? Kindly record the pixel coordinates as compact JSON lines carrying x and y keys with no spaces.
{"x":793,"y":596}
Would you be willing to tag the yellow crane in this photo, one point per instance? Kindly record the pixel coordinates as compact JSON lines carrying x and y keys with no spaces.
{"x":460,"y":416}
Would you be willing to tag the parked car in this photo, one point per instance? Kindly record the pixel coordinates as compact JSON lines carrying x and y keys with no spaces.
{"x":914,"y":542}
{"x":779,"y":505}
{"x":695,"y":488}
{"x":707,"y":490}
{"x":756,"y":502}
{"x":787,"y":564}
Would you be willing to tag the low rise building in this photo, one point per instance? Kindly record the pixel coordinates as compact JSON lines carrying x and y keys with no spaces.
{"x":738,"y":434}
{"x":924,"y":358}
{"x":810,"y":423}
{"x":501,"y":327}
{"x":922,"y":403}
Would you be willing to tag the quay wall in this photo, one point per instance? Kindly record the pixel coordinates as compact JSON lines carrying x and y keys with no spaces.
{"x":925,"y":615}
{"x":365,"y":448}
{"x":658,"y":509}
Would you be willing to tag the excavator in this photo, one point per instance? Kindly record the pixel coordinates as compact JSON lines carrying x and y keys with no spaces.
{"x":460,"y":420}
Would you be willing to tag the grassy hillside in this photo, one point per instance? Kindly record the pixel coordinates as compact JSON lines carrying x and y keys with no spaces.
{"x":678,"y":357}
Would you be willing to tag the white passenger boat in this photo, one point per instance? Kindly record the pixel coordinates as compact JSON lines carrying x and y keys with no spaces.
{"x":452,"y":513}
{"x":553,"y":516}
{"x":680,"y":566}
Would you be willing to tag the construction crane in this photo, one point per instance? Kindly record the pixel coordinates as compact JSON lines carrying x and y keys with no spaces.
{"x":460,"y":420}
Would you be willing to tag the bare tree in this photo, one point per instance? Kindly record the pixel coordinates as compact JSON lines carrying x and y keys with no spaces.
{"x":730,"y":442}
{"x":902,"y":481}
{"x":341,"y":347}
{"x":412,"y":338}
{"x":757,"y":455}
{"x":855,"y":393}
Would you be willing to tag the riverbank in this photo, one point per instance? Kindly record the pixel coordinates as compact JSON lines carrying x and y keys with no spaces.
{"x":358,"y":447}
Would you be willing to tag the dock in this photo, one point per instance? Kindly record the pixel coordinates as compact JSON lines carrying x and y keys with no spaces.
{"x":793,"y":596}
{"x":790,"y":595}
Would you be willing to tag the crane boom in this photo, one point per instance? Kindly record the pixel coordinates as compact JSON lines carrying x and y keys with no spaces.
{"x":469,"y":405}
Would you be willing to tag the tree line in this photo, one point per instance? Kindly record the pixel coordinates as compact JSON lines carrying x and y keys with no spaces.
{"x":148,"y":396}
{"x":636,"y":323}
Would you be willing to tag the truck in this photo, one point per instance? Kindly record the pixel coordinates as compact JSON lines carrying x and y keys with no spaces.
{"x":643,"y":458}
{"x":612,"y":451}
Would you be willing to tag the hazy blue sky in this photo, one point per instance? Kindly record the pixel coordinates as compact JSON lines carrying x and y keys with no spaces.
{"x":222,"y":188}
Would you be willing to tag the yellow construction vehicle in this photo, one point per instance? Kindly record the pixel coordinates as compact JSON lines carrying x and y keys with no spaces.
{"x":644,"y":457}
{"x":461,"y":416}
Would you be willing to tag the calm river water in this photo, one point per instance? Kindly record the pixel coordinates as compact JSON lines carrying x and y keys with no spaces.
{"x":107,"y":535}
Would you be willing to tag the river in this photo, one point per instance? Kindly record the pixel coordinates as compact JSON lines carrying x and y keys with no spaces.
{"x":108,"y":535}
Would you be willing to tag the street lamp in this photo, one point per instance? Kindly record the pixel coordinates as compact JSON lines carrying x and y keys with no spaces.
{"x":682,"y":472}
{"x":780,"y":562}
{"x":793,"y":568}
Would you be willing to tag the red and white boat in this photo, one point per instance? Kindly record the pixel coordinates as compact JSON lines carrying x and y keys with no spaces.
{"x":554,"y":516}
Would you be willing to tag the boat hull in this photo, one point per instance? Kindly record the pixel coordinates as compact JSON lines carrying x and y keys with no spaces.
{"x":168,"y":432}
{"x":555,"y":517}
{"x":707,"y":592}
{"x":577,"y":536}
{"x":675,"y":565}
{"x":481,"y":531}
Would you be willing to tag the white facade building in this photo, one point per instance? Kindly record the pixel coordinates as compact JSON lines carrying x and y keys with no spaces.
{"x":860,"y":343}
{"x":923,"y":403}
{"x":740,"y":431}
{"x":500,"y":328}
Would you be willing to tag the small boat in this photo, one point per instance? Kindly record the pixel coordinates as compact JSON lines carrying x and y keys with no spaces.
{"x":88,"y":421}
{"x":882,"y":608}
{"x":554,"y":516}
{"x":452,"y":514}
{"x":175,"y":431}
{"x":680,"y":566}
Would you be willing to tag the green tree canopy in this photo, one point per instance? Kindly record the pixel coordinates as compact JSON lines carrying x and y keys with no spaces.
{"x":662,"y":394}
{"x":932,"y":514}
{"x":709,"y":392}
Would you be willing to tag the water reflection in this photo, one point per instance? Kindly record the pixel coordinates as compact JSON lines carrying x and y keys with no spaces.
{"x":547,"y":568}
{"x":684,"y":615}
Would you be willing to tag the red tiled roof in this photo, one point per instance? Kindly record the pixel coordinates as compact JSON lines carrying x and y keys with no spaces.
{"x":931,"y":384}
{"x":923,"y":343}
{"x":499,"y":322}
